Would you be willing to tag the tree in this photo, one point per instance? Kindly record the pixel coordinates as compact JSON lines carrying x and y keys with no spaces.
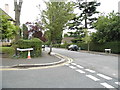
{"x":25,"y":31}
{"x":7,"y":29}
{"x":17,"y":9}
{"x":88,"y":9}
{"x":55,"y":18}
{"x":87,"y":38}
{"x":35,"y":30}
{"x":108,"y":28}
{"x":85,"y":19}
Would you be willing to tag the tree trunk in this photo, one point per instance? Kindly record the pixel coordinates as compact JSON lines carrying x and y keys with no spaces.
{"x":50,"y":49}
{"x":17,"y":9}
{"x":85,"y":21}
{"x":88,"y":47}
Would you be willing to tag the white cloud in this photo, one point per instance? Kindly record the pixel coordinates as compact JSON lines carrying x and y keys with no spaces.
{"x":108,"y":6}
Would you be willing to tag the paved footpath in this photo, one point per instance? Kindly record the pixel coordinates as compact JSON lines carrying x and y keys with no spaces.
{"x":45,"y":58}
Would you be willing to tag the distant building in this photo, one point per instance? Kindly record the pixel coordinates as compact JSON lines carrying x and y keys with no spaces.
{"x":7,"y":8}
{"x":2,"y":12}
{"x":119,"y":6}
{"x":67,"y":40}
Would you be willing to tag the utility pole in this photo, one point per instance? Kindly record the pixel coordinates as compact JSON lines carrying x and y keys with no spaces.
{"x":17,"y":9}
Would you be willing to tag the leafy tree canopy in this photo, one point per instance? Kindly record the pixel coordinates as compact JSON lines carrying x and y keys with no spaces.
{"x":86,"y":10}
{"x":55,"y":18}
{"x":84,"y":19}
{"x":108,"y":28}
{"x":7,"y":29}
{"x":35,"y":29}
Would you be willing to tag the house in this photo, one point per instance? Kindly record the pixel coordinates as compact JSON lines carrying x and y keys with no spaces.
{"x":6,"y":41}
{"x":2,"y":12}
{"x":67,"y":40}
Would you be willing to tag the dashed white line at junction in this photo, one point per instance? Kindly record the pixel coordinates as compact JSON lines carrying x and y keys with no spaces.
{"x":67,"y":64}
{"x":73,"y":63}
{"x":118,"y":83}
{"x":80,"y":71}
{"x":93,"y":78}
{"x":72,"y":67}
{"x":104,"y":76}
{"x":79,"y":66}
{"x":90,"y":70}
{"x":106,"y":85}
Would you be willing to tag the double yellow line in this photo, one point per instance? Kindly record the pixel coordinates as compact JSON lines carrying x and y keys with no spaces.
{"x":69,"y":60}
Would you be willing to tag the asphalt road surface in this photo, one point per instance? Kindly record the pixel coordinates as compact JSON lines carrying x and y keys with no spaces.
{"x":101,"y":63}
{"x":86,"y":71}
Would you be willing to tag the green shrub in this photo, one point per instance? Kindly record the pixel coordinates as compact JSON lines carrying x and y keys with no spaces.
{"x":7,"y":51}
{"x":114,"y":46}
{"x":83,"y":46}
{"x":56,"y":45}
{"x":65,"y":45}
{"x":34,"y":43}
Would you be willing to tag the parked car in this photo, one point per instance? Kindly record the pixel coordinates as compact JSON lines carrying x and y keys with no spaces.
{"x":43,"y":46}
{"x":73,"y":47}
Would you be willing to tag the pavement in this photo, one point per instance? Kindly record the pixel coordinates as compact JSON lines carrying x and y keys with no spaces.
{"x":44,"y":60}
{"x":97,"y":53}
{"x":100,"y":53}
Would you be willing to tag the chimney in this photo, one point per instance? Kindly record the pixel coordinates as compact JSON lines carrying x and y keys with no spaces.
{"x":119,"y":6}
{"x":7,"y":8}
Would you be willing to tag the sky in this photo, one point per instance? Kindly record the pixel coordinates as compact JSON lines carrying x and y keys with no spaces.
{"x":30,"y":12}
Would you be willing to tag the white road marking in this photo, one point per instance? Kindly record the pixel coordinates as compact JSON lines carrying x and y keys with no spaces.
{"x":80,"y":66}
{"x":106,"y":85}
{"x":93,"y":78}
{"x":118,"y":83}
{"x":80,"y":71}
{"x":90,"y":70}
{"x":67,"y":64}
{"x":72,"y":67}
{"x":104,"y":76}
{"x":114,"y":74}
{"x":73,"y":63}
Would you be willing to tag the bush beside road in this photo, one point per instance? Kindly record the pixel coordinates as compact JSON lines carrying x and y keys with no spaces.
{"x":7,"y":52}
{"x":114,"y":46}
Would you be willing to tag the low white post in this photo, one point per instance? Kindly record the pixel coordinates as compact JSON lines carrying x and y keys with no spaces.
{"x":109,"y":50}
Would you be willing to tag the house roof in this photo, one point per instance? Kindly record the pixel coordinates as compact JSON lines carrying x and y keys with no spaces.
{"x":2,"y":12}
{"x":67,"y":39}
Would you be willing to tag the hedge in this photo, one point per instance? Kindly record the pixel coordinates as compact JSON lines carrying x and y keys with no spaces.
{"x":7,"y":52}
{"x":34,"y":43}
{"x":114,"y":46}
{"x":61,"y":46}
